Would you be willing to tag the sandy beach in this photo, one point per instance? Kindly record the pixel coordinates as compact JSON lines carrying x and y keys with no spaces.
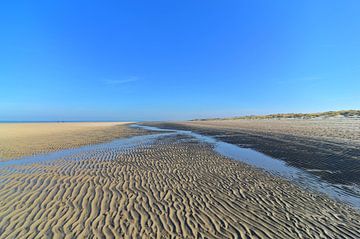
{"x":326,"y":147}
{"x":339,"y":129}
{"x":23,"y":139}
{"x":180,"y":120}
{"x":173,"y":187}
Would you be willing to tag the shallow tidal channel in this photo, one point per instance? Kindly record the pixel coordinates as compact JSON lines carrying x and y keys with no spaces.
{"x":344,"y":193}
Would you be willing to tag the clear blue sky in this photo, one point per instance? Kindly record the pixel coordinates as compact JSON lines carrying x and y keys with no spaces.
{"x":152,"y":60}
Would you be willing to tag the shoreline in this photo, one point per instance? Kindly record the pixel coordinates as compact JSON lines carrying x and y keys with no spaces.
{"x":334,"y":161}
{"x":173,"y":187}
{"x":25,"y":139}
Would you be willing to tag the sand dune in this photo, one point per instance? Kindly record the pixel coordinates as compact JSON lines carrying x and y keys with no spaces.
{"x":172,"y":188}
{"x":17,"y":140}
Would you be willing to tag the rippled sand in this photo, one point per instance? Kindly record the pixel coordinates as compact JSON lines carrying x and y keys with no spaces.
{"x":174,"y":187}
{"x":326,"y":147}
{"x":17,"y":140}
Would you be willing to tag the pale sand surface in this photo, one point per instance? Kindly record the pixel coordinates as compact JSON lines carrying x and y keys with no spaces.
{"x":341,"y":129}
{"x":327,"y":147}
{"x":23,"y":139}
{"x":172,"y":188}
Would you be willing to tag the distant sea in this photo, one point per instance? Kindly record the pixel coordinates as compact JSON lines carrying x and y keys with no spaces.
{"x":59,"y":121}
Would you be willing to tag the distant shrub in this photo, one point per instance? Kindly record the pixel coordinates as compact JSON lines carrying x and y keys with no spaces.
{"x":328,"y":114}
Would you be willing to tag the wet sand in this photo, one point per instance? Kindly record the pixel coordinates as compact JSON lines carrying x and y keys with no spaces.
{"x":173,"y":187}
{"x":23,"y":139}
{"x":340,"y":129}
{"x":328,"y":148}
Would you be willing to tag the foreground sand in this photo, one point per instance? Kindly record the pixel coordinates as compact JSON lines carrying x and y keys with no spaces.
{"x":17,"y":140}
{"x":172,"y":188}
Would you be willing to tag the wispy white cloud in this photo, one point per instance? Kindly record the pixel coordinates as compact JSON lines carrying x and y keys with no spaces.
{"x":309,"y":78}
{"x":328,"y":45}
{"x":306,"y":79}
{"x":120,"y":81}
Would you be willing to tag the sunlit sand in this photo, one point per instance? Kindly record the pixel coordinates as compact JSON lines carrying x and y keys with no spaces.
{"x":171,"y":187}
{"x":22,"y":139}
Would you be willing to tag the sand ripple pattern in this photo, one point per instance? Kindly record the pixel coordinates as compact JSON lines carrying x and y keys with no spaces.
{"x":173,"y":188}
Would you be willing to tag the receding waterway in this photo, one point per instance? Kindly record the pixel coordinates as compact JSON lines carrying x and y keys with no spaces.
{"x":344,"y":193}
